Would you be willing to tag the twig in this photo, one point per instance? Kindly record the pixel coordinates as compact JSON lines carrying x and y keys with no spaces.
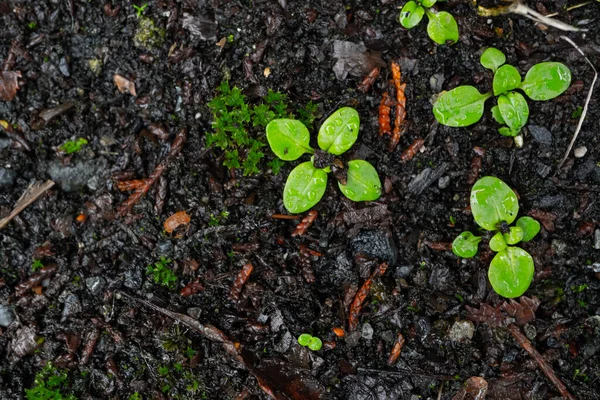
{"x":585,"y":3}
{"x":517,"y":7}
{"x":30,"y":195}
{"x":541,"y":361}
{"x":585,"y":106}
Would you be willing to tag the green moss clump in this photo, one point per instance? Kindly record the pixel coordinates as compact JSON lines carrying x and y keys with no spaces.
{"x":148,"y":35}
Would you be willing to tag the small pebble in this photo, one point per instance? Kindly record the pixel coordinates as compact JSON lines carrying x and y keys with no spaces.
{"x":580,"y":152}
{"x":6,"y":316}
{"x":444,"y":182}
{"x":461,"y":331}
{"x":367,"y":331}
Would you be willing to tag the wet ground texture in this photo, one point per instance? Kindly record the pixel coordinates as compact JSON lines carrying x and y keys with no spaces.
{"x":100,"y":301}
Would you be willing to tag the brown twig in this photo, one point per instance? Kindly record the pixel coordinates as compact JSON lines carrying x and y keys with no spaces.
{"x":305,"y":223}
{"x":384,"y":115}
{"x":366,"y":84}
{"x":240,"y":281}
{"x":29,"y":196}
{"x":360,"y":297}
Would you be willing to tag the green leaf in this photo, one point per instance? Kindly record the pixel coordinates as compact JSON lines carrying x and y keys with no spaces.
{"x":339,"y":132}
{"x":304,"y":188}
{"x":506,"y":131}
{"x":511,"y":272}
{"x":497,"y":242}
{"x":506,"y":78}
{"x":411,"y":15}
{"x":465,"y":245}
{"x":530,"y":228}
{"x":492,"y":58}
{"x":304,"y":339}
{"x":315,"y":344}
{"x":363,"y":183}
{"x":288,"y":138}
{"x":497,"y":115}
{"x":514,"y":235}
{"x":514,"y":110}
{"x":428,"y":3}
{"x":462,"y":106}
{"x":442,"y":27}
{"x":492,"y":202}
{"x":547,"y":80}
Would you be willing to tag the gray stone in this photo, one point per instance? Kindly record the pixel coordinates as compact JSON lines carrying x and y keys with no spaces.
{"x":164,"y":248}
{"x":7,"y":178}
{"x":444,"y":182}
{"x":425,"y":178}
{"x":367,"y":331}
{"x":6,"y":316}
{"x":25,"y":342}
{"x":597,"y":239}
{"x":441,"y":279}
{"x":404,"y":271}
{"x":530,"y":331}
{"x":436,"y":82}
{"x":95,"y":284}
{"x":375,"y":244}
{"x":72,"y":307}
{"x":352,"y":338}
{"x":133,"y":278}
{"x":461,"y":331}
{"x":543,"y":170}
{"x":73,"y":177}
{"x":194,"y":312}
{"x":540,"y":134}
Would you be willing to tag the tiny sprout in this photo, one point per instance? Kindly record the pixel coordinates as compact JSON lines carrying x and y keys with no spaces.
{"x":73,"y":146}
{"x":441,"y":28}
{"x":140,"y":9}
{"x":495,"y":206}
{"x":312,"y":342}
{"x":305,"y":186}
{"x":464,"y":105}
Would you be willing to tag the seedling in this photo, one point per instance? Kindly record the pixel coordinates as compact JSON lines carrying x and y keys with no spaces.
{"x":312,"y":342}
{"x":50,"y":383}
{"x":495,"y":206}
{"x":441,"y":28}
{"x":464,"y":105}
{"x":140,"y":9}
{"x":73,"y":146}
{"x":306,"y":184}
{"x":161,"y":274}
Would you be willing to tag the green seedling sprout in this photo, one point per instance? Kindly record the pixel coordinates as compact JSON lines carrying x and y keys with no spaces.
{"x":140,"y":9}
{"x":73,"y":146}
{"x":464,"y":105}
{"x":495,"y":206}
{"x":289,"y":139}
{"x":441,"y":28}
{"x":312,"y":342}
{"x":161,"y":274}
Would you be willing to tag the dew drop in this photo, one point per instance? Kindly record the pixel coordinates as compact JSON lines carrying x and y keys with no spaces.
{"x":311,"y":196}
{"x":329,"y":129}
{"x":339,"y":122}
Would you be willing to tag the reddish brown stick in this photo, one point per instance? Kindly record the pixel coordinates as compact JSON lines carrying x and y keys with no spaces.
{"x":240,"y":281}
{"x":366,"y":84}
{"x":360,"y":297}
{"x":412,"y":150}
{"x":396,"y":350}
{"x":384,"y":115}
{"x":305,"y":223}
{"x":541,"y":361}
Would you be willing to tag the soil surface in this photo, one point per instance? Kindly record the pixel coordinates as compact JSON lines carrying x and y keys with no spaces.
{"x":84,"y":311}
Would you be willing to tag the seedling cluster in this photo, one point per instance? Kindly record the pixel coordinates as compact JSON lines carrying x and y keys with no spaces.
{"x":441,"y":28}
{"x":495,"y":206}
{"x":161,"y":274}
{"x":464,"y":105}
{"x":312,"y":342}
{"x":289,"y":139}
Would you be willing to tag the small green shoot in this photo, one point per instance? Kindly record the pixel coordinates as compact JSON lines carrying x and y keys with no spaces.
{"x":464,"y":105}
{"x":135,"y":396}
{"x":441,"y":28}
{"x":312,"y":342}
{"x":289,"y":140}
{"x":495,"y":206}
{"x":73,"y":146}
{"x":140,"y":9}
{"x":161,"y":274}
{"x":50,"y":384}
{"x":36,"y":265}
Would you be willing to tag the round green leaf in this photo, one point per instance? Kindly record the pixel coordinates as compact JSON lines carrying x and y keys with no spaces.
{"x":547,"y":80}
{"x":339,"y":132}
{"x":288,"y":138}
{"x":492,"y":58}
{"x":411,"y":15}
{"x":304,"y":339}
{"x":506,"y":131}
{"x":492,"y":202}
{"x":511,"y":272}
{"x":462,"y":106}
{"x":428,"y":3}
{"x":497,"y":242}
{"x":497,"y":115}
{"x":514,"y":235}
{"x":315,"y":344}
{"x":304,"y":188}
{"x":530,"y":227}
{"x":465,"y":245}
{"x":363,"y":183}
{"x":442,"y":27}
{"x":514,"y":110}
{"x":506,"y":78}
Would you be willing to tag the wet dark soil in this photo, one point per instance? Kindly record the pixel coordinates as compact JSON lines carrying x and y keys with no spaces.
{"x":68,"y":53}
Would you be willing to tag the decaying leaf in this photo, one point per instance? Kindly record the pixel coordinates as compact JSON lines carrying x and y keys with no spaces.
{"x":9,"y":84}
{"x":125,"y":85}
